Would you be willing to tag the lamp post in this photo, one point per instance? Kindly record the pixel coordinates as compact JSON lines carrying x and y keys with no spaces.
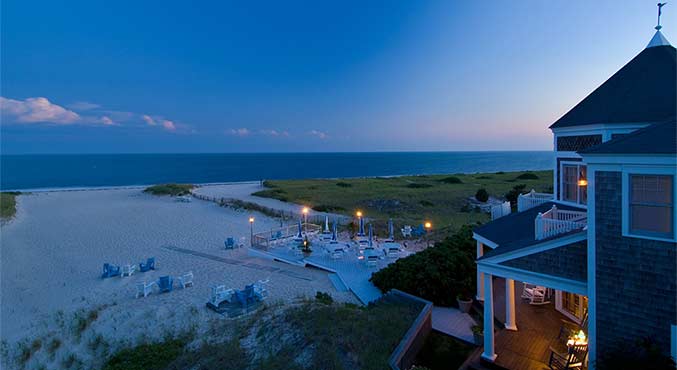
{"x":305,"y":211}
{"x":251,"y":231}
{"x":359,"y":223}
{"x":428,"y":226}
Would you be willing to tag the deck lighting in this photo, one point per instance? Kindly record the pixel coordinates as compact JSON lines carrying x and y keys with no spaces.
{"x":305,"y":210}
{"x":428,"y":225}
{"x":582,"y":182}
{"x":359,"y":214}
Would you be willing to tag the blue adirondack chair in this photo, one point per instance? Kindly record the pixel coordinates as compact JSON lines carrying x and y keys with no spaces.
{"x":246,"y":296}
{"x":148,"y":265}
{"x":418,"y":231}
{"x":230,"y":243}
{"x":165,"y":283}
{"x":110,"y":270}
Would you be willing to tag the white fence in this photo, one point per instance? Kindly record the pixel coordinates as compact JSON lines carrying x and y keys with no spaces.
{"x":267,"y":239}
{"x":532,"y":199}
{"x":500,"y":210}
{"x":556,"y":221}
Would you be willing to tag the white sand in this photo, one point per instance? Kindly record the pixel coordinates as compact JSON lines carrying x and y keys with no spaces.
{"x":51,"y":257}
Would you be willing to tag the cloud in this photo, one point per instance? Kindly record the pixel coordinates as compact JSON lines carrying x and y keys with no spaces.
{"x":319,"y":134}
{"x":239,"y":131}
{"x":168,"y":125}
{"x":33,"y":110}
{"x":274,"y":133}
{"x":149,"y":120}
{"x":83,"y":105}
{"x":107,"y":121}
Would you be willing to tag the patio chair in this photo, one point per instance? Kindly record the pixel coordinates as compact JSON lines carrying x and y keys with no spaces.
{"x":230,"y":243}
{"x":219,"y":295}
{"x":166,"y":284}
{"x":372,"y":261}
{"x":144,"y":289}
{"x":336,"y":254}
{"x":110,"y":270}
{"x":260,"y":290}
{"x":539,"y":297}
{"x":246,"y":296}
{"x":574,"y":358}
{"x":569,"y":328}
{"x":186,"y":280}
{"x":127,"y":270}
{"x":148,"y":265}
{"x":406,"y":231}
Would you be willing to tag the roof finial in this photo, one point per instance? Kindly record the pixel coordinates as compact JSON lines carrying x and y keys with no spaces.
{"x":660,"y":5}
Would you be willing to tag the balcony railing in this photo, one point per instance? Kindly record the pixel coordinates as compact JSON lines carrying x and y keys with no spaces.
{"x":532,"y":199}
{"x":556,"y":221}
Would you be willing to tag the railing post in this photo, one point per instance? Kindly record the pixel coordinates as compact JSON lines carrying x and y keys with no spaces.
{"x":537,"y":225}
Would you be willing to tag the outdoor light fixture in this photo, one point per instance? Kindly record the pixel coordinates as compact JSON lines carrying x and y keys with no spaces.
{"x":305,"y":210}
{"x":428,"y":225}
{"x":251,"y":220}
{"x":582,"y":182}
{"x":251,"y":231}
{"x":359,"y":213}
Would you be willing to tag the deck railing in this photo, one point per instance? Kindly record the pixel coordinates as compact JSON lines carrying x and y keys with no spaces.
{"x":532,"y":199}
{"x":556,"y":221}
{"x":269,"y":238}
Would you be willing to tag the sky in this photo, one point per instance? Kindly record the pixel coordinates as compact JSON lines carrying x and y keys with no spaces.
{"x":305,"y":76}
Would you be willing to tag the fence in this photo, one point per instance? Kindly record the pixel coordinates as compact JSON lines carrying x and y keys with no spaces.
{"x":556,"y":221}
{"x":532,"y":199}
{"x":266,"y":239}
{"x":500,"y":210}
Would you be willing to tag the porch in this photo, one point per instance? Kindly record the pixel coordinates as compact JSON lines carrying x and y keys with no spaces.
{"x":528,"y":347}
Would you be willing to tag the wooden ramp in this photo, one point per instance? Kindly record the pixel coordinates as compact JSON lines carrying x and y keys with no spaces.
{"x":453,"y":322}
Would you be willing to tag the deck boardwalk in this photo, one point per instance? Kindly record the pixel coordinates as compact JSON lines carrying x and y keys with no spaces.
{"x":453,"y":322}
{"x":528,"y":348}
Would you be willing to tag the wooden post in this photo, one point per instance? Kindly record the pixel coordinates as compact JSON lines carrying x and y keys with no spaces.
{"x":488,"y":353}
{"x":510,"y":323}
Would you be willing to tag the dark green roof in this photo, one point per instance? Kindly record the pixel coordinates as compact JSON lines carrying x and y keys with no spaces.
{"x":644,"y":90}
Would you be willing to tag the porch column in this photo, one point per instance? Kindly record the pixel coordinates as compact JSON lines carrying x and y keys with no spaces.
{"x":488,"y":353}
{"x":480,"y":275}
{"x":510,"y":323}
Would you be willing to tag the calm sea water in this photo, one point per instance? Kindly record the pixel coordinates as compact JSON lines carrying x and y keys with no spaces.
{"x":60,"y":171}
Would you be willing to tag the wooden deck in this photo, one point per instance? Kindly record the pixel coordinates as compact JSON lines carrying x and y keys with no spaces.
{"x":528,"y":347}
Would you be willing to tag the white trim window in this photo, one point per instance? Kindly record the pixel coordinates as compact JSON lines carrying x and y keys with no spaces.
{"x":651,"y":205}
{"x":574,"y":183}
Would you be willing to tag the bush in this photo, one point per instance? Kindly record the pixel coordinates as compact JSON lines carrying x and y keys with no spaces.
{"x":437,"y":274}
{"x":527,"y":176}
{"x":146,"y":356}
{"x":328,"y":208}
{"x":643,"y":354}
{"x":451,"y":180}
{"x":482,"y":195}
{"x":441,"y":352}
{"x":343,"y":184}
{"x":511,"y":196}
{"x":324,"y":298}
{"x":170,"y":189}
{"x":418,"y":185}
{"x":426,"y":203}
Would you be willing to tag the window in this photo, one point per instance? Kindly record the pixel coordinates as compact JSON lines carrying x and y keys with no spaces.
{"x":651,"y":205}
{"x":574,"y":183}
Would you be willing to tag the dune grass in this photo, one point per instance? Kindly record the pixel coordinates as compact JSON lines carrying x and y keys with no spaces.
{"x":170,"y":189}
{"x":410,"y":200}
{"x":8,"y":204}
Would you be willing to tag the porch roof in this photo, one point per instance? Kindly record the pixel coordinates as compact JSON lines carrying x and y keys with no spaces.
{"x":517,"y":230}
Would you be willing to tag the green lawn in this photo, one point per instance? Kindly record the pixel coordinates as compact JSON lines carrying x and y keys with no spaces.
{"x":408,"y":199}
{"x":8,"y":204}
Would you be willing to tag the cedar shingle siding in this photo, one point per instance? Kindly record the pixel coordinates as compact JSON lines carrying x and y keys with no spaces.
{"x":635,"y":278}
{"x":569,"y":261}
{"x":576,"y":143}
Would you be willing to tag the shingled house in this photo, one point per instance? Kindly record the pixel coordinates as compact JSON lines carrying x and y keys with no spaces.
{"x":603,"y":245}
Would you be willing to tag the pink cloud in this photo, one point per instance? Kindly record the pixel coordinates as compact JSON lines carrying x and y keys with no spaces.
{"x":319,"y":134}
{"x":168,"y":125}
{"x":107,"y":121}
{"x":33,"y":110}
{"x":149,"y":120}
{"x":240,"y":131}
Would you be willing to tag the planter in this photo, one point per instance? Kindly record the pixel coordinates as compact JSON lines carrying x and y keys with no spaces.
{"x":478,"y":338}
{"x":464,"y":305}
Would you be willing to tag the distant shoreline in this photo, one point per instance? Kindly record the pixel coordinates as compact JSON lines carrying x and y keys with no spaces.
{"x":143,"y":186}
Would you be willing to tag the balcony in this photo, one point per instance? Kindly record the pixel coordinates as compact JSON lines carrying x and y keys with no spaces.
{"x":532,"y":199}
{"x":557,"y":221}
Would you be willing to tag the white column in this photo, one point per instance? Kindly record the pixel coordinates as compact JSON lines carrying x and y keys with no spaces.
{"x":480,"y":275}
{"x":510,"y":323}
{"x":488,"y":353}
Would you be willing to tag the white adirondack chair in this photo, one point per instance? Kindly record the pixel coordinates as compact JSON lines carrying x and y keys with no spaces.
{"x":372,"y":261}
{"x":220,"y":294}
{"x":128,"y":270}
{"x":537,"y":295}
{"x":186,"y":280}
{"x":337,"y":254}
{"x":144,"y":289}
{"x":260,"y":288}
{"x":406,"y":231}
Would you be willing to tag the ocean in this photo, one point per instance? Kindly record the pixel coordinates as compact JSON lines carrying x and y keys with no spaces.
{"x":20,"y":172}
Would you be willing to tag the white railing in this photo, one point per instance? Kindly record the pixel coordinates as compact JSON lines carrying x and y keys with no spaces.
{"x":556,"y":221}
{"x":532,"y":199}
{"x":500,"y":210}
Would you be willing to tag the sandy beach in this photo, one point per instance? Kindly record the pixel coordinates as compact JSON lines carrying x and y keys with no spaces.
{"x":53,"y":250}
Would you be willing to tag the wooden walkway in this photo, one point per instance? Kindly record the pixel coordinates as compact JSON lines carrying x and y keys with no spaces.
{"x":528,"y":347}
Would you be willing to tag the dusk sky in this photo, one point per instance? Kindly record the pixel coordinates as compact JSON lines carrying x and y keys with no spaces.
{"x":166,"y":76}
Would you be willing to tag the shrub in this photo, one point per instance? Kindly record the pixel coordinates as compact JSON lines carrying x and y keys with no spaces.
{"x":643,"y":354}
{"x":324,"y":298}
{"x":170,"y":189}
{"x":442,"y":352}
{"x":328,"y":208}
{"x":511,"y":196}
{"x":53,"y":345}
{"x":418,"y":185}
{"x":344,"y":184}
{"x":482,"y":195}
{"x":451,"y":180}
{"x":527,"y":176}
{"x":146,"y":356}
{"x":438,"y":274}
{"x":426,"y":203}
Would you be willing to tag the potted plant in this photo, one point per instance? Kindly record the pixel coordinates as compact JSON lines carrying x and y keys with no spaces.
{"x":464,"y":302}
{"x":478,"y":334}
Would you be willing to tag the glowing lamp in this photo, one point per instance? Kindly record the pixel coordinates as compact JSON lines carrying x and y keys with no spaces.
{"x":428,"y":225}
{"x":359,"y":213}
{"x":305,"y":210}
{"x":251,"y":220}
{"x":582,"y":182}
